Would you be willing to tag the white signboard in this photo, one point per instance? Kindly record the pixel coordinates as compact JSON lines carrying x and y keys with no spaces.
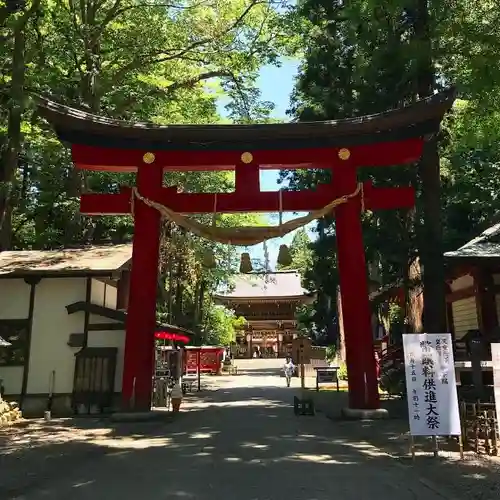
{"x":431,"y":385}
{"x":495,"y":358}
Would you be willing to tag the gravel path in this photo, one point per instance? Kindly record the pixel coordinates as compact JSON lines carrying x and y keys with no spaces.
{"x":240,"y":441}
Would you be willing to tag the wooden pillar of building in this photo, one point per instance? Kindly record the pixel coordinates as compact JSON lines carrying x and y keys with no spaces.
{"x":484,"y":288}
{"x":123,"y":290}
{"x":249,"y":336}
{"x":450,"y":326}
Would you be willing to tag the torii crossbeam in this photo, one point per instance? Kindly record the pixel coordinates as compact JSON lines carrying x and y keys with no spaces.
{"x":392,"y":138}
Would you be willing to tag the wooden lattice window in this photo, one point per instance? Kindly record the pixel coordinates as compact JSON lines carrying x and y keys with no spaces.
{"x":14,"y":331}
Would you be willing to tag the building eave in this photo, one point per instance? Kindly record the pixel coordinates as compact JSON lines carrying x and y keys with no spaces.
{"x":86,"y":273}
{"x":291,"y":298}
{"x":119,"y":315}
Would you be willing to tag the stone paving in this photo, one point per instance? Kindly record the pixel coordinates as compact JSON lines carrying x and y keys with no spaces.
{"x":240,"y":440}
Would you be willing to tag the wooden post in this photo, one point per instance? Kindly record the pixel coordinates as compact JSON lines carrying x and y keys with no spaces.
{"x":436,"y":446}
{"x":138,"y":361}
{"x":198,"y":368}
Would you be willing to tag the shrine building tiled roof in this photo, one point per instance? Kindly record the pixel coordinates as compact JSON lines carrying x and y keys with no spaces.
{"x":486,"y":245}
{"x":266,"y":285}
{"x":91,"y":260}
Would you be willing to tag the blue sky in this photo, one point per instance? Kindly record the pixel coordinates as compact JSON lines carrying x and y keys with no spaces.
{"x":276,"y":85}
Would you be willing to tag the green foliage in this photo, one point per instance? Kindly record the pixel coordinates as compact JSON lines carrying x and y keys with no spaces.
{"x":393,"y":381}
{"x":139,"y":61}
{"x":331,"y":352}
{"x":220,"y":326}
{"x":342,"y":372}
{"x":396,"y":321}
{"x":365,"y":56}
{"x":301,"y":252}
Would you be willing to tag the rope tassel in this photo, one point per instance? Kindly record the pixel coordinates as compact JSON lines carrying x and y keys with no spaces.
{"x":245,"y":263}
{"x":209,"y":259}
{"x":284,"y":256}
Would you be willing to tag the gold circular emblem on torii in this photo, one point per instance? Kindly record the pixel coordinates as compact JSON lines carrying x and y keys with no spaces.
{"x":148,"y":157}
{"x":246,"y":157}
{"x":344,"y":154}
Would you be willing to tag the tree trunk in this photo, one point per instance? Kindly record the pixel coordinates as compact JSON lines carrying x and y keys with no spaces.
{"x":9,"y":157}
{"x":431,"y":237}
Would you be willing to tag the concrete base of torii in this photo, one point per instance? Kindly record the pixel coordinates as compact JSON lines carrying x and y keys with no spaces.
{"x":355,"y":414}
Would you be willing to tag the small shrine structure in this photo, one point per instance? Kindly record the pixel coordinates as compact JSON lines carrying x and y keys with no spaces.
{"x":394,"y":137}
{"x":268,"y":302}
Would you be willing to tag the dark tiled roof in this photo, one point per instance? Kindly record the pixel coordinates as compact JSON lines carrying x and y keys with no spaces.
{"x":69,"y":260}
{"x":4,"y":343}
{"x":263,"y":285}
{"x":81,"y":127}
{"x":486,"y":245}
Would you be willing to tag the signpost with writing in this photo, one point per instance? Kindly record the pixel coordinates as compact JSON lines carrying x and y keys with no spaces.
{"x":327,"y":375}
{"x":431,"y":385}
{"x":301,"y":348}
{"x":495,"y":358}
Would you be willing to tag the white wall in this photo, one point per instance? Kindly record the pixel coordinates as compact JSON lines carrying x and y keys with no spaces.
{"x":14,"y":304}
{"x":14,"y":299}
{"x":462,"y":282}
{"x":103,"y":294}
{"x":52,"y":326}
{"x":95,"y":318}
{"x":12,"y":377}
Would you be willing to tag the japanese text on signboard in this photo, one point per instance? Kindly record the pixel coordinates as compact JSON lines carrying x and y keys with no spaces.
{"x":430,"y":382}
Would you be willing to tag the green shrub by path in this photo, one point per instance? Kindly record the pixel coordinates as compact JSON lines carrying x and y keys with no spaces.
{"x":331,"y":353}
{"x":342,"y":373}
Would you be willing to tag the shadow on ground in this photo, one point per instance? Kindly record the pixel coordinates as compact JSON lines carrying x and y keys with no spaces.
{"x":473,"y":477}
{"x":243,"y":442}
{"x":236,"y":442}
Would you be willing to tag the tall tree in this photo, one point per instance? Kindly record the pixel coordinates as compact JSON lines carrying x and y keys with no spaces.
{"x":15,"y":18}
{"x":162,"y":62}
{"x":366,"y":56}
{"x":300,"y":252}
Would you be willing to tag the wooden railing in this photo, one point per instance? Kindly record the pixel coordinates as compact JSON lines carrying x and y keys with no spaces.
{"x":479,"y":427}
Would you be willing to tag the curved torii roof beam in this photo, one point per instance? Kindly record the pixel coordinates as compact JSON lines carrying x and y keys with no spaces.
{"x":82,"y":128}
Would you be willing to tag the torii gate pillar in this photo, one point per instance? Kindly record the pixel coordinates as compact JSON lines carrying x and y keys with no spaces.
{"x":138,"y":361}
{"x":355,"y":303}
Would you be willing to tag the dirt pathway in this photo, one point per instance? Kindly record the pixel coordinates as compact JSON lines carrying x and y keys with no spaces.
{"x":241,"y":441}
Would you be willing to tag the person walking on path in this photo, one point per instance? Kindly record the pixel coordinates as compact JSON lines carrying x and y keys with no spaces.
{"x":289,"y":370}
{"x":176,"y":397}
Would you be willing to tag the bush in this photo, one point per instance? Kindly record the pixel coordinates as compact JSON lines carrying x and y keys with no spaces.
{"x":393,"y":381}
{"x":342,"y":373}
{"x":331,"y":352}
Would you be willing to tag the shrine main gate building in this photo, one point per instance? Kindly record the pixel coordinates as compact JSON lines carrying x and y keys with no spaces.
{"x":392,"y":138}
{"x":268,"y":302}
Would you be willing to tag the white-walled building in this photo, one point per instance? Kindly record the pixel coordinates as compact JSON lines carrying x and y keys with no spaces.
{"x":64,"y":314}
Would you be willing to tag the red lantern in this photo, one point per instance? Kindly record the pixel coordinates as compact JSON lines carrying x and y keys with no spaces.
{"x":172,"y":336}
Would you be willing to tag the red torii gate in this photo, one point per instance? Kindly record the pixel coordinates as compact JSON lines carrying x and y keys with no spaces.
{"x":391,"y":138}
